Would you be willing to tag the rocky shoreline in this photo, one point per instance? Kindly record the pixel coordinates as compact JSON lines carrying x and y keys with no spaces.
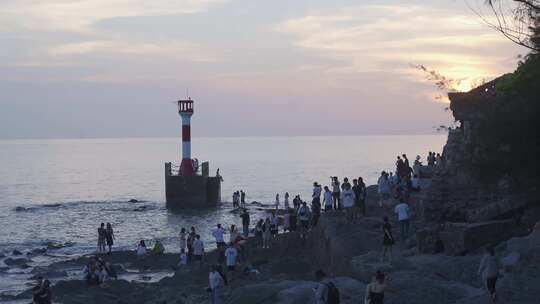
{"x":348,"y":251}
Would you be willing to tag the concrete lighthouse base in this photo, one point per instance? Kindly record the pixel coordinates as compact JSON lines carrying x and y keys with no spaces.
{"x":193,"y":191}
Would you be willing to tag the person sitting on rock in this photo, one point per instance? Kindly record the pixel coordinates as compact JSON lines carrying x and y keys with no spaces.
{"x":158,"y":248}
{"x":326,"y":292}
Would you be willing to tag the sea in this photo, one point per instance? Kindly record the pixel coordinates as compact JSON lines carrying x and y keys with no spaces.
{"x":57,"y":191}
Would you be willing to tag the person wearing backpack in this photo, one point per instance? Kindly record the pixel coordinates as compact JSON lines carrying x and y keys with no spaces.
{"x":326,"y":292}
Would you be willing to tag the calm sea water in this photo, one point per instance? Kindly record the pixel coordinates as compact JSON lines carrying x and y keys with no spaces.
{"x":60,"y":190}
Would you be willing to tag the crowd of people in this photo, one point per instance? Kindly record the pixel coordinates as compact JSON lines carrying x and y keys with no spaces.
{"x":300,"y":217}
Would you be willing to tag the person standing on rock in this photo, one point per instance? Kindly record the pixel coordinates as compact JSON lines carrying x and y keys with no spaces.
{"x":327,"y":199}
{"x":183,"y":239}
{"x":245,"y":222}
{"x":218,"y":235}
{"x":336,"y":193}
{"x":43,"y":295}
{"x":101,"y":238}
{"x":215,"y":280}
{"x":266,"y":233}
{"x":384,"y":188}
{"x":286,"y":201}
{"x":347,"y":197}
{"x":363,"y":194}
{"x":402,"y":211}
{"x":489,"y":270}
{"x":276,"y":203}
{"x":109,"y":236}
{"x":292,"y":220}
{"x":230,"y":257}
{"x":198,"y":250}
{"x":303,"y":216}
{"x":242,"y":199}
{"x":388,"y":241}
{"x":189,"y":243}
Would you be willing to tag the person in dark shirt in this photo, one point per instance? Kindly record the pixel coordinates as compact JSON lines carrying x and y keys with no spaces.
{"x":245,"y":222}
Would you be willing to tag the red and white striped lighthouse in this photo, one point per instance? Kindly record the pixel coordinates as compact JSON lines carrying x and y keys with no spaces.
{"x":185,"y":109}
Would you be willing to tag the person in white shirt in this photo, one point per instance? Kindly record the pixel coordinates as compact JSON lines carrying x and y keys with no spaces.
{"x":233,"y":234}
{"x":183,"y":242}
{"x":141,"y":250}
{"x":303,"y":217}
{"x":327,"y":199}
{"x":198,"y":250}
{"x":230,"y":257}
{"x":277,"y":201}
{"x":489,"y":271}
{"x":218,"y":235}
{"x":347,"y":197}
{"x":183,"y":258}
{"x":402,"y":211}
{"x":215,"y":280}
{"x":384,"y":188}
{"x":336,"y":193}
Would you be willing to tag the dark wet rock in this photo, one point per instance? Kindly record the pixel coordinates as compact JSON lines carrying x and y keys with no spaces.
{"x":133,"y":201}
{"x":19,"y":262}
{"x":2,"y":255}
{"x":38,"y":251}
{"x":141,"y":208}
{"x":16,"y":252}
{"x":45,"y":272}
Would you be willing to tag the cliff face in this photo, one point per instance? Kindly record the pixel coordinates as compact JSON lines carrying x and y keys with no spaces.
{"x":478,"y":196}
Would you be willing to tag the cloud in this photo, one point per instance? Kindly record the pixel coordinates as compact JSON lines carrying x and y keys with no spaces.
{"x":389,"y":38}
{"x":79,"y":15}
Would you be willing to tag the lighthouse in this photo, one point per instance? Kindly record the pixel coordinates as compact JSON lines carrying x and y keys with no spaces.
{"x":187,"y":186}
{"x":185,"y":109}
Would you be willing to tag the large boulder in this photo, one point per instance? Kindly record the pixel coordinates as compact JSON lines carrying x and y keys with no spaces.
{"x":461,"y":238}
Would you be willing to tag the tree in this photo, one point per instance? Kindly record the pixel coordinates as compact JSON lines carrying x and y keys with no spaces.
{"x":517,"y":20}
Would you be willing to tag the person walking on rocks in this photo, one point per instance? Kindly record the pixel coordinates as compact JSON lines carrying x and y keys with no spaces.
{"x":198,"y":250}
{"x":388,"y":241}
{"x":402,"y":211}
{"x":277,"y":201}
{"x":375,"y":290}
{"x":336,"y":193}
{"x":101,"y":238}
{"x":109,"y":237}
{"x":245,"y":222}
{"x":489,"y":270}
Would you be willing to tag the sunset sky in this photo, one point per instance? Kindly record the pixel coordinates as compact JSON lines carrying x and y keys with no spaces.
{"x":112,"y":68}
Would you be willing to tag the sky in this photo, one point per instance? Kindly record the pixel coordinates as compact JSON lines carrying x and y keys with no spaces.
{"x":113,"y":68}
